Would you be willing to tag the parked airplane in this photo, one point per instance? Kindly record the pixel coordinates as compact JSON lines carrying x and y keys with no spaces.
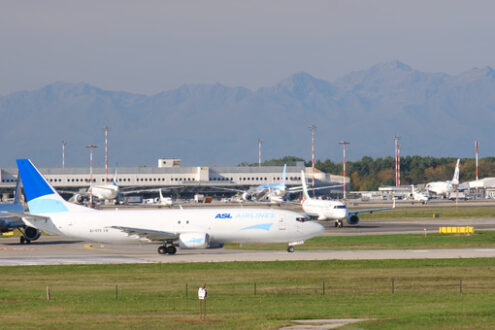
{"x":99,"y":192}
{"x":444,"y":187}
{"x":9,"y":222}
{"x":164,"y":201}
{"x":419,"y":196}
{"x":332,"y":209}
{"x":275,"y":192}
{"x":187,"y":228}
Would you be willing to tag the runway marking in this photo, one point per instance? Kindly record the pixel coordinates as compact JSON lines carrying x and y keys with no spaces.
{"x":17,"y":249}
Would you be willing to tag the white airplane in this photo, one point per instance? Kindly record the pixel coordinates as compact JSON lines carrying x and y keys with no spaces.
{"x":100,"y":192}
{"x":419,"y":196}
{"x":444,"y":187}
{"x":331,"y":209}
{"x":274,"y":192}
{"x":163,"y":201}
{"x":187,"y":228}
{"x":9,"y":222}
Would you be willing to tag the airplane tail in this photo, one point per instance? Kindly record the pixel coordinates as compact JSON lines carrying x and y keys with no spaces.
{"x":305,"y":188}
{"x":455,"y":179}
{"x":115,"y":177}
{"x":41,"y":197}
{"x":284,"y":174}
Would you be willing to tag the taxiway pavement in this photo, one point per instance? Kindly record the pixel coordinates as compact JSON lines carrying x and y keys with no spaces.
{"x":54,"y":250}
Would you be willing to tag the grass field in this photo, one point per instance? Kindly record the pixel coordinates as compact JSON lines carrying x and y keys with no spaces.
{"x":481,"y":239}
{"x":152,"y":296}
{"x":427,"y":212}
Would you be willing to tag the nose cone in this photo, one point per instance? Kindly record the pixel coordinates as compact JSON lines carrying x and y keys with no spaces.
{"x":314,"y":228}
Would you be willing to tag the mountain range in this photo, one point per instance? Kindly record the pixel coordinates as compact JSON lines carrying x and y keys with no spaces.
{"x":435,"y":114}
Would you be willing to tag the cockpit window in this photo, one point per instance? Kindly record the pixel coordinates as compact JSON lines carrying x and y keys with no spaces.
{"x":303,"y":219}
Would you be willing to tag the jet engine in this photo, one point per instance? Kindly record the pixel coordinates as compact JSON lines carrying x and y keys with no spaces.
{"x":353,"y":219}
{"x":246,"y":196}
{"x":193,"y":240}
{"x":77,"y":198}
{"x":31,"y":233}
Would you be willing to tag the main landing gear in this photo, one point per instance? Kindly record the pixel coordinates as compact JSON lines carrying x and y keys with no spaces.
{"x":290,"y":249}
{"x":167,"y":249}
{"x":339,"y":224}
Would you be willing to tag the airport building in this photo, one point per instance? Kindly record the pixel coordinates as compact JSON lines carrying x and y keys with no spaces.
{"x":182,"y":180}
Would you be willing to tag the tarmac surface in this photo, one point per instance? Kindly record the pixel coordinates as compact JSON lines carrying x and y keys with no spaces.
{"x":57,"y":250}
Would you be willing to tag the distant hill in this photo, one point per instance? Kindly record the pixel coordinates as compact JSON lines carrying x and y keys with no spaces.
{"x":211,"y":124}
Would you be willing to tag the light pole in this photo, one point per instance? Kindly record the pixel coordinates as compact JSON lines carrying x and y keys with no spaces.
{"x":63,"y":153}
{"x":344,"y":144}
{"x":260,"y":141}
{"x":106,"y":153}
{"x":312,"y":128}
{"x":397,"y":160}
{"x":91,"y":151}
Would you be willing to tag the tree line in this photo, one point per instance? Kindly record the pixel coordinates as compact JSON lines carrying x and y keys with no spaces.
{"x":369,"y":174}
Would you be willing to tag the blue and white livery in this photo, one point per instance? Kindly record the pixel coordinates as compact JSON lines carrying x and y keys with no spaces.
{"x":186,"y":228}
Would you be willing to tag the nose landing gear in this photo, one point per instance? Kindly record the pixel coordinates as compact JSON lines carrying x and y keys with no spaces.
{"x":339,"y":224}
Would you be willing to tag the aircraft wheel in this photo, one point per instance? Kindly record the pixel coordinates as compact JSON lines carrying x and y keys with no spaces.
{"x":28,"y":241}
{"x":290,"y":249}
{"x":162,"y":250}
{"x":171,"y":249}
{"x":341,"y":224}
{"x":336,"y":224}
{"x":22,"y":240}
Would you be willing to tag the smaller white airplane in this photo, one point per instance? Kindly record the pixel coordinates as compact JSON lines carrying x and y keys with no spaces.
{"x":99,"y":192}
{"x":444,"y":187}
{"x":163,"y":201}
{"x":332,"y":209}
{"x":419,"y":196}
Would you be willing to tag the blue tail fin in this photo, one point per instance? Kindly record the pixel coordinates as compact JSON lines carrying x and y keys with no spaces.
{"x":40,"y":195}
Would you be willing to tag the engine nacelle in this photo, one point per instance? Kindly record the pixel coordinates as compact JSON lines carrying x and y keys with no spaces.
{"x":31,"y":233}
{"x":77,"y":198}
{"x":353,"y":219}
{"x":193,"y":241}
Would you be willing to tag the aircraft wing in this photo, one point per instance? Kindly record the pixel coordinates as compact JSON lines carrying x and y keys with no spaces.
{"x":300,"y":188}
{"x":373,"y":210}
{"x":152,"y":235}
{"x":23,"y":215}
{"x":229,"y":189}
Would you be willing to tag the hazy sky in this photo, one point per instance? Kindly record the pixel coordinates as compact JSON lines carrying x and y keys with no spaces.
{"x":150,"y":46}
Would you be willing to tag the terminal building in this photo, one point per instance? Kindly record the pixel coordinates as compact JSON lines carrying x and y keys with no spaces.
{"x":182,"y":180}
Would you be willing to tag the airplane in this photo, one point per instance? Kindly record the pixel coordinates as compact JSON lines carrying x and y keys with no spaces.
{"x":162,"y":201}
{"x":196,"y":228}
{"x":274,"y":192}
{"x":332,"y":209}
{"x":444,"y":187}
{"x":419,"y":196}
{"x":100,"y":192}
{"x":10,"y":222}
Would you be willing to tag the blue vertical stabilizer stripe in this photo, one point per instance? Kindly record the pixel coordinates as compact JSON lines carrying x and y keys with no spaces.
{"x":34,"y":184}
